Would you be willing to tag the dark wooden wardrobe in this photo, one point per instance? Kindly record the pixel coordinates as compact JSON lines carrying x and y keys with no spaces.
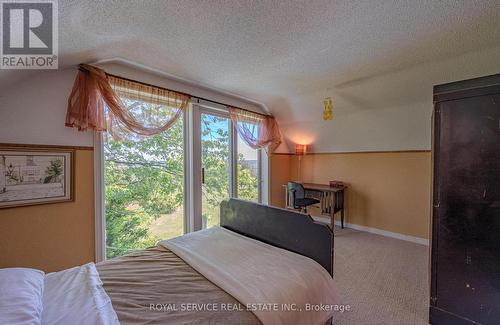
{"x":465,"y":246}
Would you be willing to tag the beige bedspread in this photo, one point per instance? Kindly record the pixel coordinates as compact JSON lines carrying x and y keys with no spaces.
{"x":155,"y":286}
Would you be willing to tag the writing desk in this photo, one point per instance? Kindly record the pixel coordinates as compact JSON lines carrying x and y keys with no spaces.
{"x":331,"y":200}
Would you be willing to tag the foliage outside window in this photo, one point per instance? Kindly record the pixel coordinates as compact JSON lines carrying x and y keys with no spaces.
{"x":144,"y":184}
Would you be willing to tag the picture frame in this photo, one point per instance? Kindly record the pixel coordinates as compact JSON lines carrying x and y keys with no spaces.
{"x":36,"y":174}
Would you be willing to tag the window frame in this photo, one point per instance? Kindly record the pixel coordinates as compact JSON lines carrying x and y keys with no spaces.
{"x":192,"y":179}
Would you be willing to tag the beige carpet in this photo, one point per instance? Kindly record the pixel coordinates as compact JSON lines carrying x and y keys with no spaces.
{"x":384,"y":280}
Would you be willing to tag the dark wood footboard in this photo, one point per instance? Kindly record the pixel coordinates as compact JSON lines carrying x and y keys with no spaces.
{"x":293,"y":231}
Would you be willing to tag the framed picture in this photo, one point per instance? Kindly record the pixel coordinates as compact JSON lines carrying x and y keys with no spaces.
{"x":32,"y":174}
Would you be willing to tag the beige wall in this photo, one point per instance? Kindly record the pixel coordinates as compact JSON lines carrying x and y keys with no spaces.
{"x":387,"y":190}
{"x":55,"y":236}
{"x":279,"y":170}
{"x":387,"y":111}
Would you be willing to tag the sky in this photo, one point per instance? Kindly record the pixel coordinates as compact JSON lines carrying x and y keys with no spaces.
{"x":243,"y":148}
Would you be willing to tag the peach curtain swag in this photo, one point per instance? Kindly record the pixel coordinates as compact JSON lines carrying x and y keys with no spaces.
{"x":256,"y":130}
{"x":105,"y":103}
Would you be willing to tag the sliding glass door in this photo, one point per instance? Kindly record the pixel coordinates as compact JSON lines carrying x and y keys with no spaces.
{"x":163,"y":186}
{"x":216,"y":165}
{"x":229,"y":167}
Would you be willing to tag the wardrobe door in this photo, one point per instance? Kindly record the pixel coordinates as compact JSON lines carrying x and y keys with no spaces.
{"x":466,"y":235}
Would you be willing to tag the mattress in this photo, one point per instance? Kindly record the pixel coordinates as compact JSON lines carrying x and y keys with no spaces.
{"x":155,"y":286}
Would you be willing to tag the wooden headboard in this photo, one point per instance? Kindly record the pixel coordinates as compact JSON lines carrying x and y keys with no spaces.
{"x":293,"y":231}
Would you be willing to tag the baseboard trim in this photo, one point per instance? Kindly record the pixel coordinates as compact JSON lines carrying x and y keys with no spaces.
{"x":377,"y":231}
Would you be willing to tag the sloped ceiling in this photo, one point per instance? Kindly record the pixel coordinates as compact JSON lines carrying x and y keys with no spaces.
{"x":286,"y":54}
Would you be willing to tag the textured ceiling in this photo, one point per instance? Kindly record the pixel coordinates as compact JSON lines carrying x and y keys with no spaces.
{"x":274,"y":50}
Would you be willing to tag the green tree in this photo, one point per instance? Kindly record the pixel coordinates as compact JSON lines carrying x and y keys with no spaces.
{"x":144,"y":180}
{"x":248,"y":182}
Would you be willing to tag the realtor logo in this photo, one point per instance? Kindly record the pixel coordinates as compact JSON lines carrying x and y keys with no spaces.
{"x":29,"y":34}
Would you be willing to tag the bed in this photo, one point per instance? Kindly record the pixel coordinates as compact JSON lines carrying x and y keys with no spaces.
{"x":263,"y":265}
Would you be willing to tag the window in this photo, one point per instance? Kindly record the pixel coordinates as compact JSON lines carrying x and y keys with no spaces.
{"x":149,"y":191}
{"x":248,"y":172}
{"x":144,"y":188}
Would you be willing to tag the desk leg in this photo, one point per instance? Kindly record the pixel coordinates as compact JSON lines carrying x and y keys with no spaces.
{"x":333,"y":201}
{"x":332,"y":220}
{"x":341,"y":206}
{"x":338,"y":206}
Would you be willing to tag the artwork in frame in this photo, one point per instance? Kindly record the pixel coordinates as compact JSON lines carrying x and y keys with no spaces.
{"x":32,"y":175}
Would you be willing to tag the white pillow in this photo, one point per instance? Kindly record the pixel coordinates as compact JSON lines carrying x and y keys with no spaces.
{"x":21,"y":291}
{"x":76,"y":297}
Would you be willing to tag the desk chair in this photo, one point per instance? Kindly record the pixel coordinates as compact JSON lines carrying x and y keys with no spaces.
{"x":297,"y":193}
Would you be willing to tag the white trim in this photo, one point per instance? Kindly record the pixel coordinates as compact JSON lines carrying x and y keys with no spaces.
{"x":100,"y":223}
{"x":264,"y":177}
{"x":233,"y":142}
{"x":194,"y":171}
{"x":187,"y":147}
{"x":413,"y":239}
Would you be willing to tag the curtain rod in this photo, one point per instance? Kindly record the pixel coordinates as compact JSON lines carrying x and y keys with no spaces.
{"x":183,"y":93}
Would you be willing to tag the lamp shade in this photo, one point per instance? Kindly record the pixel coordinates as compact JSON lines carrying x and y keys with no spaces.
{"x":300,"y":149}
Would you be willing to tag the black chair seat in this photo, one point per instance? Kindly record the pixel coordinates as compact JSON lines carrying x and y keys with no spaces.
{"x":304,"y":202}
{"x":298,"y":196}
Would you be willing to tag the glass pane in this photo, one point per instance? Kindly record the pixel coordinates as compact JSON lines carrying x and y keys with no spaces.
{"x":215,"y":161}
{"x":248,"y":172}
{"x":144,"y":182}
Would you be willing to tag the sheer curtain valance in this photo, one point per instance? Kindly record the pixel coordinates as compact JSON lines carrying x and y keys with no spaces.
{"x":105,"y":103}
{"x":125,"y":108}
{"x":256,"y":130}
